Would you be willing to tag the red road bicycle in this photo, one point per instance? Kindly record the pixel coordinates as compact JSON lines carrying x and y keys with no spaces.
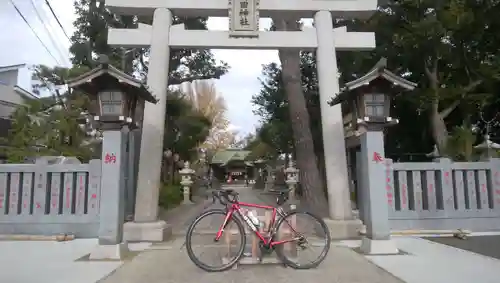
{"x":235,"y":214}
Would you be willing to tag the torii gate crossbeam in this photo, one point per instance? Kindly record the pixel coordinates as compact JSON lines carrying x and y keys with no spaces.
{"x":162,"y":36}
{"x":267,"y":8}
{"x":181,"y":38}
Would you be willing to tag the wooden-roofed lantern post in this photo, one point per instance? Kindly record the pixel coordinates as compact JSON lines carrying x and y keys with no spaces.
{"x":367,"y":100}
{"x":115,"y":96}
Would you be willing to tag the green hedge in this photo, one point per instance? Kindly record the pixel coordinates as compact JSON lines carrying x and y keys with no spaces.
{"x":170,"y":195}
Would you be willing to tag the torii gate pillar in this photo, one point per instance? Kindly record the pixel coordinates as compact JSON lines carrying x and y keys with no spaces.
{"x":146,"y":226}
{"x":162,"y":36}
{"x":331,"y":119}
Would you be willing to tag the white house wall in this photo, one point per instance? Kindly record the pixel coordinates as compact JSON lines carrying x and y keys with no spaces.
{"x":7,"y":109}
{"x":9,"y":77}
{"x":9,"y":100}
{"x":8,"y":94}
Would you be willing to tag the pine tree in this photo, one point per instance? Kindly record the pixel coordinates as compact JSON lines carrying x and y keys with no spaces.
{"x":90,"y":40}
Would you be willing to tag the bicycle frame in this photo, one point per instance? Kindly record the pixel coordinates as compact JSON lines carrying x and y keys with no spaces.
{"x":236,"y":207}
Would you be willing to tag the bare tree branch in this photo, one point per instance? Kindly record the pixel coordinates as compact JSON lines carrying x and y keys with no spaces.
{"x":450,"y":109}
{"x":432,"y":73}
{"x":447,"y":111}
{"x":176,"y":81}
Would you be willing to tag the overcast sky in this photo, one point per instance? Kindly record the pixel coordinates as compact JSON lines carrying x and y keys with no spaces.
{"x":20,"y":45}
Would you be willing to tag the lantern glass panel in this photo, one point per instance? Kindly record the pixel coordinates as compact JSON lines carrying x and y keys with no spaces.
{"x":375,"y":105}
{"x":111,"y":102}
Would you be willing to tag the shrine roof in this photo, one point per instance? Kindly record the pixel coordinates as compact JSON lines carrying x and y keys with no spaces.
{"x":379,"y":71}
{"x":222,"y":157}
{"x":107,"y":70}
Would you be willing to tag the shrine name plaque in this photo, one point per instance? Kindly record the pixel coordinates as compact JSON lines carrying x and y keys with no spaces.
{"x":244,"y":18}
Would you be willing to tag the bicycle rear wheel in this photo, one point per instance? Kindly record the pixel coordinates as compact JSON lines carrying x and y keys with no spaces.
{"x":313,"y":235}
{"x":223,"y":254}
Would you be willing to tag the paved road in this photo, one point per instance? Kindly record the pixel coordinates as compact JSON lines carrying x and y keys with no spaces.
{"x":167,"y":263}
{"x":484,"y":245}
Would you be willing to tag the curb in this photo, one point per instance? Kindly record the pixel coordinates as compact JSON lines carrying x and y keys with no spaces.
{"x":450,"y":233}
{"x":430,"y":232}
{"x":57,"y":238}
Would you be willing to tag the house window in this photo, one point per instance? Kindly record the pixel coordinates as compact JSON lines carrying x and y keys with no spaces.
{"x":375,"y":105}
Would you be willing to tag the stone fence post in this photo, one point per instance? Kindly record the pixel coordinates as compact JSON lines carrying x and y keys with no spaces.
{"x":112,"y":208}
{"x":445,"y":183}
{"x":375,"y":212}
{"x":495,"y":181}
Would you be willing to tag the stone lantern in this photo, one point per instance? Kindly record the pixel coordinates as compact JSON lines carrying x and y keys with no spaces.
{"x":115,"y":97}
{"x":186,"y":182}
{"x":487,"y":147}
{"x":292,"y":178}
{"x":366,"y":103}
{"x":367,"y":100}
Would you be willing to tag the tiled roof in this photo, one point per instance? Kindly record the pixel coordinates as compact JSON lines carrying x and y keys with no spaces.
{"x":224,"y":156}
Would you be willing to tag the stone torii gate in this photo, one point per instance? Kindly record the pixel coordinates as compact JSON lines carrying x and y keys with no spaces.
{"x":243,"y":34}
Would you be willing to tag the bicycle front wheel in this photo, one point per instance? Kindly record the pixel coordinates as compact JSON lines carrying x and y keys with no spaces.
{"x":211,"y":255}
{"x":308,"y":236}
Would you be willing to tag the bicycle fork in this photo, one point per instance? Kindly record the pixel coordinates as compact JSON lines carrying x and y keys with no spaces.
{"x":223,"y":226}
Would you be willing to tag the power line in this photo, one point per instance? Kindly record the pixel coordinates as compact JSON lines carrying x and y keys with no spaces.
{"x":57,"y":19}
{"x":39,"y":39}
{"x":49,"y":34}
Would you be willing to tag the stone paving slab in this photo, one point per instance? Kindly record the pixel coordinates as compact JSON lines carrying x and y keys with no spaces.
{"x":173,"y":266}
{"x":431,"y":262}
{"x":181,"y":216}
{"x":51,"y":262}
{"x":167,"y":262}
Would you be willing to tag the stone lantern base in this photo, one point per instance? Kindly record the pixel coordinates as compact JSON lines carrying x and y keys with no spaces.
{"x":109,"y":252}
{"x":378,"y":247}
{"x":344,"y":229}
{"x":157,"y":231}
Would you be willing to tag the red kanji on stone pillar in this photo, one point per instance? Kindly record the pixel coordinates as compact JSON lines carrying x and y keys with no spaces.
{"x":109,"y":158}
{"x":377,"y":158}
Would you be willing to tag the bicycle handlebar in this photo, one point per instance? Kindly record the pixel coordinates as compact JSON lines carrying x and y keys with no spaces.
{"x":224,"y":196}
